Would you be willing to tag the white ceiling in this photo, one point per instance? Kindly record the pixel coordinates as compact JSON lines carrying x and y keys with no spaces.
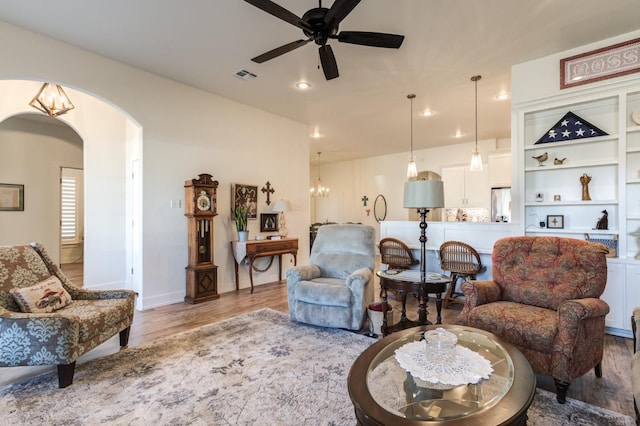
{"x":364,"y":112}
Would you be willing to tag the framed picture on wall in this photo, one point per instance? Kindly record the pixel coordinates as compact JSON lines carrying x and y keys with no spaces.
{"x":268,"y":222}
{"x":245,"y":195}
{"x":11,"y":197}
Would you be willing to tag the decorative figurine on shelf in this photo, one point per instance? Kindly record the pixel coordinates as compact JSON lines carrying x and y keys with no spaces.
{"x":558,"y":161}
{"x":584,"y":180}
{"x":541,"y":158}
{"x":637,"y":235}
{"x":603,"y":222}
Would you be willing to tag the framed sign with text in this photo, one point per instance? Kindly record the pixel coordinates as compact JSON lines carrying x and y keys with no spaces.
{"x":600,"y":64}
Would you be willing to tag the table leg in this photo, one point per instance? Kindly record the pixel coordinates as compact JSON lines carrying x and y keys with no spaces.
{"x":403,"y":316}
{"x":237,"y":279}
{"x":383,"y":295}
{"x":279,"y":267}
{"x":251,"y":273}
{"x":438,"y":308}
{"x":422,"y":306}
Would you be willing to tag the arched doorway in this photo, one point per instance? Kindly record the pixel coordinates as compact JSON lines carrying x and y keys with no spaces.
{"x":36,"y":149}
{"x":112,"y":142}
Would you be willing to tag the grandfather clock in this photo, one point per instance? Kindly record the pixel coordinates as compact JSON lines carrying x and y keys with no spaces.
{"x":200,"y":208}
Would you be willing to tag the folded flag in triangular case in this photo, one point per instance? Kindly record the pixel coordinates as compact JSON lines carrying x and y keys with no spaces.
{"x":570,"y":127}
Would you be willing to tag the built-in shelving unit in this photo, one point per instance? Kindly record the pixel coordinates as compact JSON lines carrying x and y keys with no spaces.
{"x":612,"y":162}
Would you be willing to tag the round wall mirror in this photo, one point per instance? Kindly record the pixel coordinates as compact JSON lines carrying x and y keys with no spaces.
{"x":380,"y":208}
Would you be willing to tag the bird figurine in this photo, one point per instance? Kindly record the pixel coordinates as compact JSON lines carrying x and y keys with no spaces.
{"x":541,"y":158}
{"x":558,"y":161}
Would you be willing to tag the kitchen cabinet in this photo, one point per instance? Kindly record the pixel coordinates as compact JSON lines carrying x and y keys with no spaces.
{"x":466,"y":189}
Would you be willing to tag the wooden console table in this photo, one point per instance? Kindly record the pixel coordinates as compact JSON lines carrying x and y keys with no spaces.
{"x":251,"y":250}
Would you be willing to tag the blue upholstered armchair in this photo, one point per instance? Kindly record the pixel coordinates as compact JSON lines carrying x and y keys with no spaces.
{"x":335,"y":289}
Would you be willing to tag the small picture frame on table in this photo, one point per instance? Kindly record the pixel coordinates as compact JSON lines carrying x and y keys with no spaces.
{"x":268,"y":222}
{"x":555,"y":221}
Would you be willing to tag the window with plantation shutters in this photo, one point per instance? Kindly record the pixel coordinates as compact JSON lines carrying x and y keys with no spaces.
{"x":71,"y":206}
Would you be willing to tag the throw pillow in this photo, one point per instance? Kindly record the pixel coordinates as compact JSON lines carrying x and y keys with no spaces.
{"x":45,"y":296}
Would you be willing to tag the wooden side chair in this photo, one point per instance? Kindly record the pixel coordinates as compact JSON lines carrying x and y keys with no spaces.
{"x":463,"y":262}
{"x":396,"y":254}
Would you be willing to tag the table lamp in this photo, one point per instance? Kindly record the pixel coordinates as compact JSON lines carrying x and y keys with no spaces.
{"x":423,"y":195}
{"x":281,"y":206}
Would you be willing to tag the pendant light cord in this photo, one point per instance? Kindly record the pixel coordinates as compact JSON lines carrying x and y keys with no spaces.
{"x":475,"y":79}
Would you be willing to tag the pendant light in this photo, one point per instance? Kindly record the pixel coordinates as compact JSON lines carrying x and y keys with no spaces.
{"x":476,"y":158}
{"x":52,"y":100}
{"x":412,"y":170}
{"x":319,"y":190}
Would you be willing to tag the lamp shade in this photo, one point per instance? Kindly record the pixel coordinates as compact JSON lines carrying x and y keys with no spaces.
{"x":423,"y":194}
{"x":280,"y":206}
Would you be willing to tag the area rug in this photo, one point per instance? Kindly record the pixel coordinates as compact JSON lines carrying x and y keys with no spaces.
{"x":252,"y":369}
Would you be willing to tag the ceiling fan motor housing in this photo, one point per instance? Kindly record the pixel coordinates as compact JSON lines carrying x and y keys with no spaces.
{"x":315,"y":18}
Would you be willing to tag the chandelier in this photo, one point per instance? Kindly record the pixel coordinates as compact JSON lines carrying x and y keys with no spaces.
{"x":319,"y":190}
{"x":52,"y":100}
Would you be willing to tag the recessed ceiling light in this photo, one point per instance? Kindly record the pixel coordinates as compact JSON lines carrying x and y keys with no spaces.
{"x":427,"y":113}
{"x":303,"y":85}
{"x":503,"y":96}
{"x":458,"y":134}
{"x":316,"y":134}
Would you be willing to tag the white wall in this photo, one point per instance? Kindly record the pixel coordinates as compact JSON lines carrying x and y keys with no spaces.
{"x":185,"y":132}
{"x":540,"y":78}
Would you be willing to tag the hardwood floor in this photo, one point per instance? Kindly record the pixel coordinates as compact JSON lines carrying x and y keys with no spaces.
{"x":612,"y":391}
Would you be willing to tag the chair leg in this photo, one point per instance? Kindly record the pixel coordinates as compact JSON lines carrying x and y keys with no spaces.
{"x":124,"y":336}
{"x":448,"y":297}
{"x":65,"y":374}
{"x":598,"y":370}
{"x":561,"y":390}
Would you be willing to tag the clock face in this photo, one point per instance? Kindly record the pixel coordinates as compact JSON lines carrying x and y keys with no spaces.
{"x":203,"y":202}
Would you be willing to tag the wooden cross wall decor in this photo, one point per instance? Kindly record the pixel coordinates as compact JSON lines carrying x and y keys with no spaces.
{"x":268,"y":190}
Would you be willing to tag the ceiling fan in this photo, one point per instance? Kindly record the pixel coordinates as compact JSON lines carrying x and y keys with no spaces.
{"x":319,"y":25}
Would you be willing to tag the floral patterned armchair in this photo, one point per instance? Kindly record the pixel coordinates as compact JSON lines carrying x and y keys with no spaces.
{"x":544,"y":299}
{"x":59,"y":337}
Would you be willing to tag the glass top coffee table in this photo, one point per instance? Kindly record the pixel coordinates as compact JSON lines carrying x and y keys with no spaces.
{"x":384,"y":393}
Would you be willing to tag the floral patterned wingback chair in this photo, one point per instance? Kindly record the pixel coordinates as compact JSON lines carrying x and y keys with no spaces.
{"x":82,"y":321}
{"x":544,"y":297}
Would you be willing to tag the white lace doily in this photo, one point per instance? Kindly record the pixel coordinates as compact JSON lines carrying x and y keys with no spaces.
{"x":468,"y":366}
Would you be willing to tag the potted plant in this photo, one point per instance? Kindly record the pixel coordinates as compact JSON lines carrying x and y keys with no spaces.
{"x":241,"y":214}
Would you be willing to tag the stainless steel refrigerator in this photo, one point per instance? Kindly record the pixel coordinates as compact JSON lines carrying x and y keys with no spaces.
{"x":501,"y":204}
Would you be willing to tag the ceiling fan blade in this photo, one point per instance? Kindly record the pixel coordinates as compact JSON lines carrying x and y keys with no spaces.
{"x":392,"y":41}
{"x":339,"y":10}
{"x":281,"y":13}
{"x":280,"y":51}
{"x":328,"y":61}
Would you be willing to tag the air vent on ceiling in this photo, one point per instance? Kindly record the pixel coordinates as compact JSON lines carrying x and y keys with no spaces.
{"x":244,"y":74}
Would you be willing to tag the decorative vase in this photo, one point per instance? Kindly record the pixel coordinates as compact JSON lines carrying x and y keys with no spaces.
{"x":243,"y":235}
